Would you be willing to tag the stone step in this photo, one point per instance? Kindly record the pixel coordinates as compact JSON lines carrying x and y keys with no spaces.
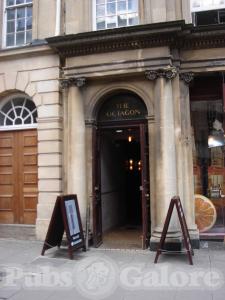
{"x":17,"y":231}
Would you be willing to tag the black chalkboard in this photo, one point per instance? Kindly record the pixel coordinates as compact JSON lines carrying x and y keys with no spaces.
{"x":175,"y":201}
{"x":65,"y":218}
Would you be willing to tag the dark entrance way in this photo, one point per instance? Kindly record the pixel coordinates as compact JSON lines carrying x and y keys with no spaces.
{"x":121,"y":207}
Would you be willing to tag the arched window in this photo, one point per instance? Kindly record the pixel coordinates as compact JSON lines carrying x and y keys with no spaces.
{"x":18,"y":112}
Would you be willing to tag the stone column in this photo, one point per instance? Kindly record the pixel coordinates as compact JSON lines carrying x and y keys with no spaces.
{"x":187,"y":159}
{"x":75,"y":143}
{"x":165,"y":157}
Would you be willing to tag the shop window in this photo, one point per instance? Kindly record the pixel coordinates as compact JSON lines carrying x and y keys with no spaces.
{"x":208,"y":124}
{"x":18,"y":112}
{"x":115,"y":13}
{"x":18,"y":22}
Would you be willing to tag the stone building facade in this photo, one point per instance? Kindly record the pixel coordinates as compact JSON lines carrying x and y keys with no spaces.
{"x":75,"y":63}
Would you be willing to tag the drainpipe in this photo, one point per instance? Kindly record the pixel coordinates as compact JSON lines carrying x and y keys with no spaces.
{"x":58,"y":17}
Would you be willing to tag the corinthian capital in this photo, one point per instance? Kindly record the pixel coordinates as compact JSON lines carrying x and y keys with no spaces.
{"x":187,"y":77}
{"x":168,"y":73}
{"x":68,"y":82}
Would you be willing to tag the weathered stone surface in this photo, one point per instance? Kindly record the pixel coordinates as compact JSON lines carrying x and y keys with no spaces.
{"x":50,"y":185}
{"x":51,"y":98}
{"x":10,"y":80}
{"x":49,"y":160}
{"x":2,"y":83}
{"x":49,"y":135}
{"x":44,"y":74}
{"x":48,"y":111}
{"x":22,"y":81}
{"x":47,"y":86}
{"x":50,"y":173}
{"x":49,"y":147}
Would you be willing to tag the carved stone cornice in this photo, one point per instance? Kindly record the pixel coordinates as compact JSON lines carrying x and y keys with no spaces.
{"x":174,"y":34}
{"x":168,"y":73}
{"x":187,"y":77}
{"x":68,"y":82}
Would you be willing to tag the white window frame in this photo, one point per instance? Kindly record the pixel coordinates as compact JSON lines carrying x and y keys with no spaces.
{"x":4,"y":27}
{"x":94,"y":17}
{"x":33,"y":125}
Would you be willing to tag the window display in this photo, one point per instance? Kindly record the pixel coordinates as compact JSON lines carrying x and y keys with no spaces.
{"x":208,"y":124}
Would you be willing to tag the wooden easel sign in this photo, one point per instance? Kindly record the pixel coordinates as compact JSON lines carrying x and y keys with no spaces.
{"x":65,"y":217}
{"x":175,"y":201}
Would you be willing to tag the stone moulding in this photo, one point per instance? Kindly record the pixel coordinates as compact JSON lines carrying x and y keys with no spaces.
{"x":175,"y":34}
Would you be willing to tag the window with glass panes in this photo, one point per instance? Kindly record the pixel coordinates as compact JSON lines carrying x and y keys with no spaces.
{"x":18,"y":22}
{"x":116,"y":13}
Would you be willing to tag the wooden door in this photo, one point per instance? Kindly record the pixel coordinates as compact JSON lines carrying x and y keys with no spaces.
{"x":18,"y":177}
{"x":97,"y":203}
{"x":145,"y":191}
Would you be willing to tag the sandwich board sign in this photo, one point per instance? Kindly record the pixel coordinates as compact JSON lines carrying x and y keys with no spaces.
{"x":65,"y":218}
{"x":175,"y":202}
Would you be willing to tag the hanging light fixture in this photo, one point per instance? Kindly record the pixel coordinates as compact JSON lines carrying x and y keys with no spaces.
{"x":130,"y":138}
{"x":216,"y":137}
{"x":131,"y":164}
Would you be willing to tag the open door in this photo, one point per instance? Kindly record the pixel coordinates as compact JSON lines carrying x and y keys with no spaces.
{"x":145,"y":186}
{"x":97,"y":203}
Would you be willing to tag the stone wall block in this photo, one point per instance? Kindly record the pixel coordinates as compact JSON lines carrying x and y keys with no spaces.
{"x":50,"y":173}
{"x":45,"y":160}
{"x":31,"y":89}
{"x":50,"y":185}
{"x":44,"y":74}
{"x":48,"y":86}
{"x":51,"y":98}
{"x":45,"y":210}
{"x":22,"y":81}
{"x":49,"y":147}
{"x":49,"y":135}
{"x":47,"y":198}
{"x":37,"y":100}
{"x":47,"y":111}
{"x":10,"y":80}
{"x":2,"y":83}
{"x":49,"y":123}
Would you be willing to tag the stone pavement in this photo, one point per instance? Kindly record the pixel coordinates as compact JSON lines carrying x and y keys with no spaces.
{"x":109,"y":274}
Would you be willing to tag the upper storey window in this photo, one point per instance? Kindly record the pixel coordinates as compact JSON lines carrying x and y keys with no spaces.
{"x":204,"y":5}
{"x":115,"y":13}
{"x":18,"y":24}
{"x":208,"y":12}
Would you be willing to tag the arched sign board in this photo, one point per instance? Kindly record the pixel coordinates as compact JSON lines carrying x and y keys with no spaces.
{"x":65,"y":217}
{"x":121,"y":107}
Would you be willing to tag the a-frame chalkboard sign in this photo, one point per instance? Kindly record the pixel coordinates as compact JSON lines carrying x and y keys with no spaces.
{"x":65,"y":217}
{"x":175,"y":201}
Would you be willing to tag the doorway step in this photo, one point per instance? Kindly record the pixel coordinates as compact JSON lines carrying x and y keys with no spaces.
{"x":17,"y":231}
{"x":127,"y":237}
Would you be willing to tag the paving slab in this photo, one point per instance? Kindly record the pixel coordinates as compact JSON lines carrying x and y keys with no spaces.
{"x":108,"y":274}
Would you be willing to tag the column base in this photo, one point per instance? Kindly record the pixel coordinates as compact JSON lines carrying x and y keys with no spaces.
{"x":174,"y":241}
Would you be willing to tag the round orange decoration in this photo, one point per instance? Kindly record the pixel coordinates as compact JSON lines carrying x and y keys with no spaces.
{"x":205,"y":213}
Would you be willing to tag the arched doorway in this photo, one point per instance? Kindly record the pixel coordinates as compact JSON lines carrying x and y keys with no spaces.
{"x":18,"y":161}
{"x":121,"y":205}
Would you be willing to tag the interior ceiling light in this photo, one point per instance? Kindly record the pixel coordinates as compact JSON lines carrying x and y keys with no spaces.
{"x":130,"y":138}
{"x":119,"y":131}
